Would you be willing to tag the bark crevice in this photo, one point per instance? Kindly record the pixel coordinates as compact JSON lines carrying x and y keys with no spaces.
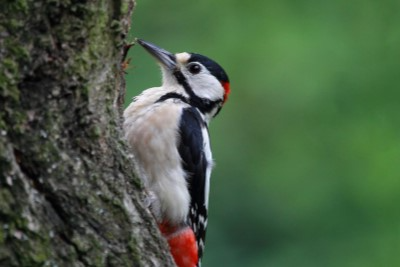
{"x":68,"y":194}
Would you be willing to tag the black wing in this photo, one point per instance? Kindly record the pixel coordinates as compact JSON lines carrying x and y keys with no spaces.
{"x":191,"y":149}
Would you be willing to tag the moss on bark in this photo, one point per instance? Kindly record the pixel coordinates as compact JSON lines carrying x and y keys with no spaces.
{"x":68,"y":196}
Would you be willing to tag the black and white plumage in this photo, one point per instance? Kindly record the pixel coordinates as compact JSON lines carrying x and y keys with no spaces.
{"x":167,"y":129}
{"x":194,"y":149}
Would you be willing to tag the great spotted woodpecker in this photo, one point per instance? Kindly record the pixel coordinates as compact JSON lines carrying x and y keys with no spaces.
{"x":167,"y":129}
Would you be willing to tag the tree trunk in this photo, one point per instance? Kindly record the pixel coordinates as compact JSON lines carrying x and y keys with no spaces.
{"x":68,"y":195}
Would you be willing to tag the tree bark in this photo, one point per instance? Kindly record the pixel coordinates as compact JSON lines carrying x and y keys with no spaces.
{"x":68,"y":195}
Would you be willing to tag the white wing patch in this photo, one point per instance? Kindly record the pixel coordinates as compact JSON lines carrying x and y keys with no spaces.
{"x":208,"y":154}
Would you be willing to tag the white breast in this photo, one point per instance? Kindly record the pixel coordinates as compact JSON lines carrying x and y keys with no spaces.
{"x":151,"y":130}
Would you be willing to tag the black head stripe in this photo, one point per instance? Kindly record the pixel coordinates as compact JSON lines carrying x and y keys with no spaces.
{"x":204,"y":105}
{"x":213,"y":67}
{"x":172,"y":95}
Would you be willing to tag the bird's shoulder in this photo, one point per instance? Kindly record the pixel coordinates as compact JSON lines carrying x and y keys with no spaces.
{"x":154,"y":100}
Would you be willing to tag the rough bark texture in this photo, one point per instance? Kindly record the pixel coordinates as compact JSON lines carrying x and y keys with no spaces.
{"x":68,"y":195}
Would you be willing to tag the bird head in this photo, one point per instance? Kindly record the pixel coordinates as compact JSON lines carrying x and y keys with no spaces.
{"x":204,"y":81}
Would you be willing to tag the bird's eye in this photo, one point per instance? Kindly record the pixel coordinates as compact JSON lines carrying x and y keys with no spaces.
{"x":194,"y":68}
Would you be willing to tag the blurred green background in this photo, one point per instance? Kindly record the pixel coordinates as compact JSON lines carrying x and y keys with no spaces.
{"x":308,"y":145}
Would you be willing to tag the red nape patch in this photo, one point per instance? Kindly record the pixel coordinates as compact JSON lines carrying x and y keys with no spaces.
{"x":183,"y":246}
{"x":227,"y":88}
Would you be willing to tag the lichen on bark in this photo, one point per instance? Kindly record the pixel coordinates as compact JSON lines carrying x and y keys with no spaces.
{"x":68,"y":195}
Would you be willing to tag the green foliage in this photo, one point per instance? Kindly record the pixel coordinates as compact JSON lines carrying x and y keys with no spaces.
{"x":308,"y":145}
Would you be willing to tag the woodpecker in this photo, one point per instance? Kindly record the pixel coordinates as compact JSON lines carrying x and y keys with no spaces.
{"x":167,"y":129}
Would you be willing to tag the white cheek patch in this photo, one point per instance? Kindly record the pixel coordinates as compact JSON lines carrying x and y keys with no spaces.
{"x":203,"y":84}
{"x":206,"y":86}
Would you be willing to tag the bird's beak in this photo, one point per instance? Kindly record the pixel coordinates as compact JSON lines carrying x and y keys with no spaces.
{"x":164,"y":57}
